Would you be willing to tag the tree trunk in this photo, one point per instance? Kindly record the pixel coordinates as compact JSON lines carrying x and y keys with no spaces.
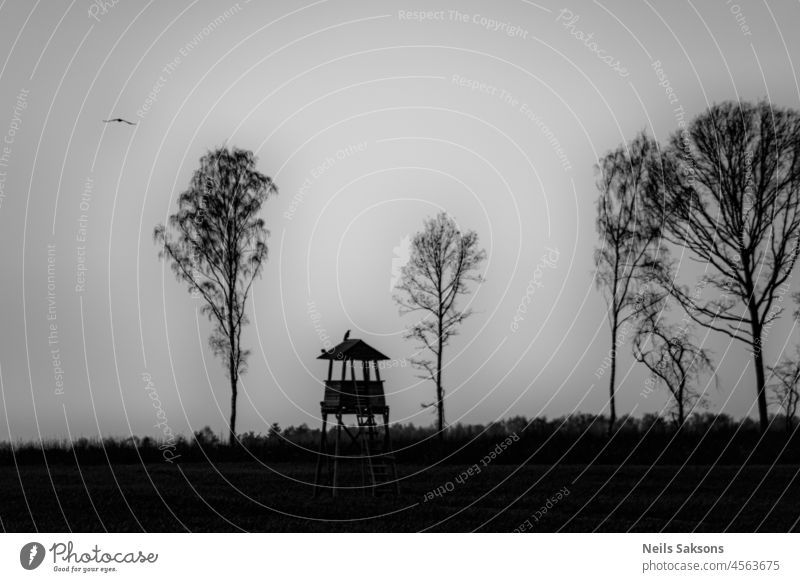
{"x":612,"y":380}
{"x":681,"y":411}
{"x":758,"y":360}
{"x":763,"y":416}
{"x":233,"y":366}
{"x":233,"y":373}
{"x":234,"y":382}
{"x":439,"y":389}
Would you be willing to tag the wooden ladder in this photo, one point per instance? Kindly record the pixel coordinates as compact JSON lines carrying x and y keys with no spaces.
{"x":378,"y":466}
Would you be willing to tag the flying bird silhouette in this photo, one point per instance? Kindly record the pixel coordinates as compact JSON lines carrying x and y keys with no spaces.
{"x":347,"y":335}
{"x":118,"y":120}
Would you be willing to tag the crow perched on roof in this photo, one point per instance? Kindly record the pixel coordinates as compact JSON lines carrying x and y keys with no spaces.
{"x":346,"y":336}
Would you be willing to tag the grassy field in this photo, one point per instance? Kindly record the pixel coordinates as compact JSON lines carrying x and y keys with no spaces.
{"x":246,"y":496}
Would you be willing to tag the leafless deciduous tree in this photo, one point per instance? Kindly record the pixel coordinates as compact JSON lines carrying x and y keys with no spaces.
{"x":629,"y":240}
{"x":729,"y":194}
{"x":671,"y":356}
{"x":216,"y":243}
{"x":442,"y":263}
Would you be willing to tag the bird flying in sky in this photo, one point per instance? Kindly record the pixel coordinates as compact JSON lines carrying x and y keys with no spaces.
{"x":118,"y":120}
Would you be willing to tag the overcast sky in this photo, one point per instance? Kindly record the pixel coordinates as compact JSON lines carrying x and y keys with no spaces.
{"x":369,"y":118}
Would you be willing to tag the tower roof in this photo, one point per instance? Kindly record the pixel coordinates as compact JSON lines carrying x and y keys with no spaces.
{"x":352,"y":349}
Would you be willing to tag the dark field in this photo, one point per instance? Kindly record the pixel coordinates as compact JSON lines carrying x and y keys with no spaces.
{"x":246,"y":496}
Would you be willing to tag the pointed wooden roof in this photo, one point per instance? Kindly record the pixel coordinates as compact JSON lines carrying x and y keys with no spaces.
{"x":352,"y":349}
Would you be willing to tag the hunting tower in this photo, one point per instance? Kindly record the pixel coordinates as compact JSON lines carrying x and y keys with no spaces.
{"x":367,"y":440}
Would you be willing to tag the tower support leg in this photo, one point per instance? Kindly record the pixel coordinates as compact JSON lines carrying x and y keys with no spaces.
{"x":323,"y":452}
{"x":336,"y":454}
{"x":387,"y":447}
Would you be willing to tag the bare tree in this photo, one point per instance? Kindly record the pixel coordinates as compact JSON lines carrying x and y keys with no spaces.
{"x":443,"y":261}
{"x":628,"y":246}
{"x":216,"y":243}
{"x":671,"y":356}
{"x":786,"y":391}
{"x":730,"y":195}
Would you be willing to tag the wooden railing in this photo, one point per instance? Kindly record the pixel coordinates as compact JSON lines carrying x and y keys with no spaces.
{"x":351,"y":395}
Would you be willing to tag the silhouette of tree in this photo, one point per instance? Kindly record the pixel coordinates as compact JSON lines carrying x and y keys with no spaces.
{"x":669,"y":353}
{"x":786,"y":391}
{"x":443,"y":261}
{"x":216,"y":243}
{"x":274,"y":433}
{"x":206,"y":437}
{"x":729,"y":194}
{"x":628,"y":245}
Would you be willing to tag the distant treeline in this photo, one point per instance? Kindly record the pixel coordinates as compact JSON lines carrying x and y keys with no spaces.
{"x":705,"y":439}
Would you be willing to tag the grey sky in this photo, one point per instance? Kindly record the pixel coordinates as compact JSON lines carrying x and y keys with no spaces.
{"x":369,"y":119}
